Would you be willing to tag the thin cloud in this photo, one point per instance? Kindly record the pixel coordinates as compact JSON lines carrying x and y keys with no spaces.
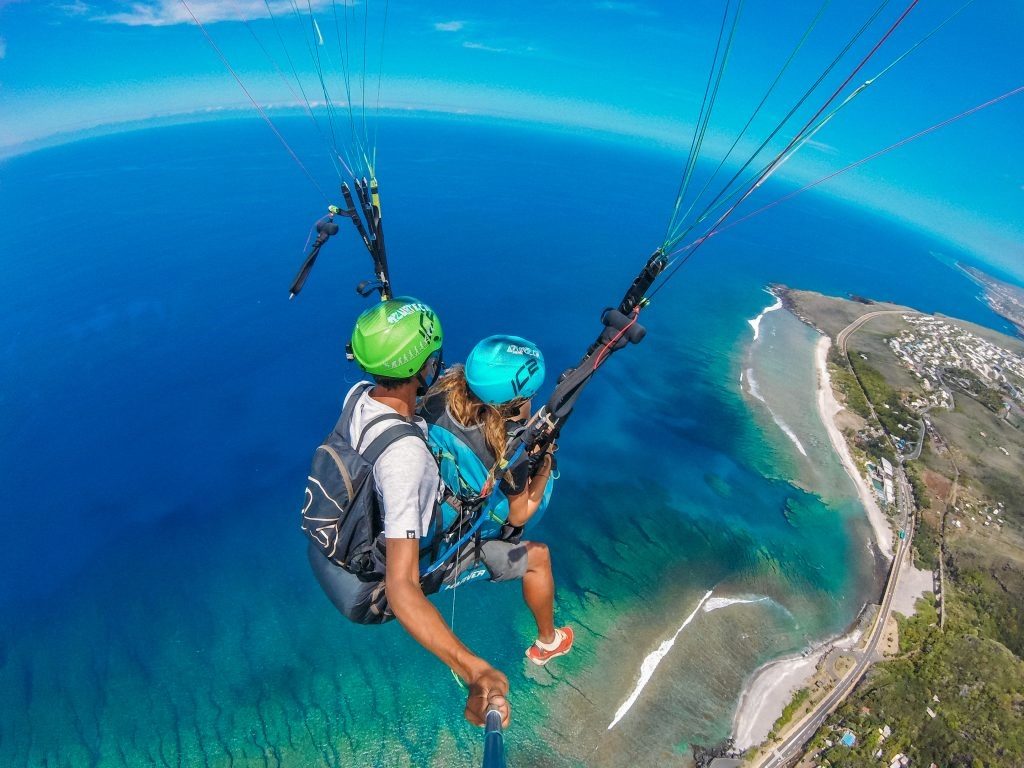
{"x":449,"y":26}
{"x":821,"y":146}
{"x":161,"y":13}
{"x":473,"y":46}
{"x":76,"y":8}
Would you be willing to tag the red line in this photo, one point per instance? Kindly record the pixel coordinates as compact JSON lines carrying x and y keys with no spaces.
{"x":875,"y":155}
{"x":606,"y":349}
{"x":853,"y":74}
{"x":774,"y":163}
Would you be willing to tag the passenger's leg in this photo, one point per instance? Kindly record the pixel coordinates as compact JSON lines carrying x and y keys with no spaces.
{"x":530,"y":561}
{"x":539,"y":589}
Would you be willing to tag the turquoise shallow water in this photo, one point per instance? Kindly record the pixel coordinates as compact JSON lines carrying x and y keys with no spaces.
{"x":161,"y":399}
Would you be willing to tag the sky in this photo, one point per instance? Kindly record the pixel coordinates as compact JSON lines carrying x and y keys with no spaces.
{"x":631,"y":68}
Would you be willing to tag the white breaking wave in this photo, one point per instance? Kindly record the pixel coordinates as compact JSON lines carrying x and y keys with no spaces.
{"x":756,"y":322}
{"x":789,"y":432}
{"x":755,"y":391}
{"x":651,"y":663}
{"x":724,"y":602}
{"x":752,"y":386}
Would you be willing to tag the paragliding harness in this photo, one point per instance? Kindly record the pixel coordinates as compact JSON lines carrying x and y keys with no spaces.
{"x":453,"y":554}
{"x":475,"y":492}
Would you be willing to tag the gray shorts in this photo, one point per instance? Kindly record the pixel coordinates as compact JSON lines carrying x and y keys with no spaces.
{"x":506,"y":561}
{"x":493,"y":561}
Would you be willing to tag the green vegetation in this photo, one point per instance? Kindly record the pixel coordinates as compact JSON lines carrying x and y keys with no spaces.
{"x":975,"y":687}
{"x":888,"y":403}
{"x":846,"y":382}
{"x":968,"y":382}
{"x":790,"y":709}
{"x":969,"y":675}
{"x":988,"y":595}
{"x":837,"y":358}
{"x":921,"y":497}
{"x":877,"y":446}
{"x":926,"y":546}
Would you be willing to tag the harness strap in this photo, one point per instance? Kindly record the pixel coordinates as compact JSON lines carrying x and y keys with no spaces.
{"x":379,"y":444}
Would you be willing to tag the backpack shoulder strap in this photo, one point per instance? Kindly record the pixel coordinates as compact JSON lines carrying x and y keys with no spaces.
{"x":350,"y":406}
{"x":372,"y":423}
{"x":389,"y":436}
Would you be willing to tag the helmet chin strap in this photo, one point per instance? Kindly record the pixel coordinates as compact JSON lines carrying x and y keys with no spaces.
{"x":421,"y":390}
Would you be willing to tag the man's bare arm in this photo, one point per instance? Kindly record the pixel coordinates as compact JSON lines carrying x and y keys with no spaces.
{"x":421,"y":620}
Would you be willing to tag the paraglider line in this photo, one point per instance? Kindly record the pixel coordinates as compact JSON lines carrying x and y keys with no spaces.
{"x":875,"y":155}
{"x":778,"y":158}
{"x":694,"y":148}
{"x":742,"y":133}
{"x":677,"y":236}
{"x":255,"y":104}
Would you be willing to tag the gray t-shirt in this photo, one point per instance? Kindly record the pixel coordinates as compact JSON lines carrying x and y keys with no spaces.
{"x":408,"y":484}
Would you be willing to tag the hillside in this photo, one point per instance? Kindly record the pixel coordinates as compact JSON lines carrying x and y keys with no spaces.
{"x":948,"y":396}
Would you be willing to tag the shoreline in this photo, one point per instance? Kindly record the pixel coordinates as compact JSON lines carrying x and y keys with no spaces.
{"x":828,"y":407}
{"x":772,"y":685}
{"x":766,"y":694}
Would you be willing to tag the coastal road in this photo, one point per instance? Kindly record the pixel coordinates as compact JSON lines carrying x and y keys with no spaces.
{"x":792,"y":747}
{"x":844,"y":335}
{"x":843,"y":338}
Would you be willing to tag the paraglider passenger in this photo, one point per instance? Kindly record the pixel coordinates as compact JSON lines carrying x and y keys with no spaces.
{"x":472,"y":410}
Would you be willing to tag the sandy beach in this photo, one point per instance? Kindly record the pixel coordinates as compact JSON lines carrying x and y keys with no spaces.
{"x":772,"y":686}
{"x":767,"y":694}
{"x":828,"y":407}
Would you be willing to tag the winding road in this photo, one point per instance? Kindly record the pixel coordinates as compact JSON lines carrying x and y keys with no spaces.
{"x":792,"y":746}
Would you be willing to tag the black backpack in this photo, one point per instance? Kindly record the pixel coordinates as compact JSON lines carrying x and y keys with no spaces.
{"x":341,"y":514}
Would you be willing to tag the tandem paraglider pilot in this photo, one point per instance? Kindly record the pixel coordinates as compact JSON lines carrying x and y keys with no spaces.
{"x":372,"y":510}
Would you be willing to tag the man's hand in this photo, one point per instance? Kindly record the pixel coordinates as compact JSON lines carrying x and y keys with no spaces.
{"x":421,"y":620}
{"x":487,"y":690}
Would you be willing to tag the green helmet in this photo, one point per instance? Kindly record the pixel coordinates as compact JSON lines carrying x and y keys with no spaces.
{"x":394,"y":338}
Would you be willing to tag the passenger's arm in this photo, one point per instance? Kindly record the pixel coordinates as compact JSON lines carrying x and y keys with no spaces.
{"x":525,"y":504}
{"x":422,"y":620}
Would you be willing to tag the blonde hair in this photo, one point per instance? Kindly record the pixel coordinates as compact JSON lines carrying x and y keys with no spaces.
{"x":470,"y":411}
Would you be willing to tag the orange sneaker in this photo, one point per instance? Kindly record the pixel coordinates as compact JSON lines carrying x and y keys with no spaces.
{"x":560,"y":646}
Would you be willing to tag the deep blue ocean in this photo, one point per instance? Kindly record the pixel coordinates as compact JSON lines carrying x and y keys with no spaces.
{"x":161,"y":397}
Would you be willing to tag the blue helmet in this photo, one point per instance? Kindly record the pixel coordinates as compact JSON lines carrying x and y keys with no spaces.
{"x":503,"y":368}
